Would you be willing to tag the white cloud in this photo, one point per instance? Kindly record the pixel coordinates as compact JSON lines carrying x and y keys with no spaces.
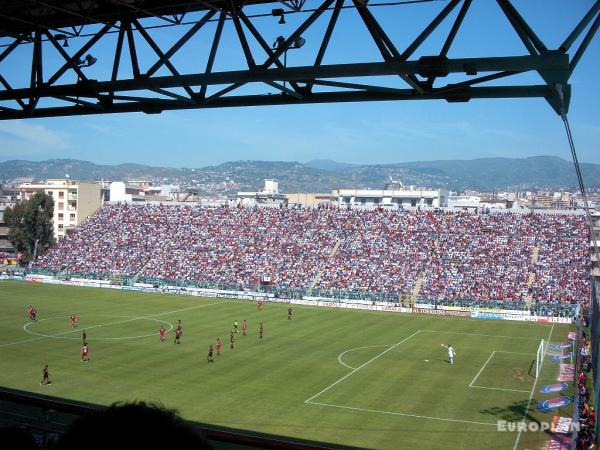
{"x":28,"y":137}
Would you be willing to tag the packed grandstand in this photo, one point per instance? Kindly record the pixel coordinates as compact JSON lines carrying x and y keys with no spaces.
{"x":442,"y":255}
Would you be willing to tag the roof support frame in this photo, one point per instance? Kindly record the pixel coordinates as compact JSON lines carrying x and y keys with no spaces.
{"x":149,"y":92}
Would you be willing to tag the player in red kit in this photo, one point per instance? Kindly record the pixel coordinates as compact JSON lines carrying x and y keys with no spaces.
{"x":244,"y":327}
{"x":33,"y":315}
{"x":73,"y":320}
{"x":30,"y":312}
{"x":219,"y":345}
{"x":85,"y":353}
{"x":161,"y":333}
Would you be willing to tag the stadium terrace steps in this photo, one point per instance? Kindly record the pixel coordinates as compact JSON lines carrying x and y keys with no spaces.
{"x":139,"y":272}
{"x":535,"y":256}
{"x":316,"y":280}
{"x":418,"y":284}
{"x":531,"y":280}
{"x":319,"y":275}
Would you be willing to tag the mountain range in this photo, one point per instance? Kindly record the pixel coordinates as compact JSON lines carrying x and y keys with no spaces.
{"x":484,"y":174}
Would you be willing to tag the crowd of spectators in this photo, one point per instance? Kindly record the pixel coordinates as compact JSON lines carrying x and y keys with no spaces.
{"x":451,"y":255}
{"x":587,"y":414}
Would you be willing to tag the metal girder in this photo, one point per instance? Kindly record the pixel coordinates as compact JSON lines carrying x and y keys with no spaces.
{"x":157,"y":106}
{"x":423,"y":67}
{"x":29,"y":24}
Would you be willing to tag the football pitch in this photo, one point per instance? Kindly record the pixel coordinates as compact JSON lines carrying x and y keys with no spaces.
{"x":336,"y":377}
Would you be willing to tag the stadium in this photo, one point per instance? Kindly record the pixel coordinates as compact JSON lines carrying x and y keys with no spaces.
{"x":368,"y":288}
{"x":295,"y":326}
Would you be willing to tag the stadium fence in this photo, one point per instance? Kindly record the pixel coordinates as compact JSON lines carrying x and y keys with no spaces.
{"x":547,"y":309}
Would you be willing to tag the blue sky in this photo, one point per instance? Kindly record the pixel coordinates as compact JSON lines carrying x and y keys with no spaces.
{"x":378,"y":132}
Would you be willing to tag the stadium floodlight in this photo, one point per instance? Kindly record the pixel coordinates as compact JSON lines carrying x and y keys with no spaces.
{"x":60,"y":37}
{"x":88,"y":61}
{"x":278,"y":42}
{"x":539,"y":358}
{"x":278,"y":12}
{"x":298,"y":42}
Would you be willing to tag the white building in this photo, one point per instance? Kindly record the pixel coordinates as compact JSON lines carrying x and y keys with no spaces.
{"x":465,"y":202}
{"x":269,"y":195}
{"x":74,"y":201}
{"x":121,"y":192}
{"x":393,"y":195}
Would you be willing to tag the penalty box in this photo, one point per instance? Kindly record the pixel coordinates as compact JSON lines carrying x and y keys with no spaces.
{"x":506,"y":371}
{"x":413,"y":377}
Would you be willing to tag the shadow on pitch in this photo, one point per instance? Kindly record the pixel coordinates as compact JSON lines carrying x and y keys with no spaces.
{"x":511,"y":413}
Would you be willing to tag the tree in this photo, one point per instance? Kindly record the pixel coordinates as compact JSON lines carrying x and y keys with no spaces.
{"x":30,"y":225}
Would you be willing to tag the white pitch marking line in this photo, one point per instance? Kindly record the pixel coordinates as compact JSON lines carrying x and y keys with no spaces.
{"x":479,"y":334}
{"x":402,"y":414}
{"x":515,"y":353}
{"x":360,"y":367}
{"x":129,"y":319}
{"x":357,"y":348}
{"x":532,"y":391}
{"x":499,"y":389}
{"x":481,"y":370}
{"x":106,"y":324}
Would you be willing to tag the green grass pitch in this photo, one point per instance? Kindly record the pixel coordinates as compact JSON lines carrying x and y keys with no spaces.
{"x":338,"y":377}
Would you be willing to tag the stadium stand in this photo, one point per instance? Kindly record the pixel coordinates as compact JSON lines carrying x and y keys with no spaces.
{"x":500,"y":257}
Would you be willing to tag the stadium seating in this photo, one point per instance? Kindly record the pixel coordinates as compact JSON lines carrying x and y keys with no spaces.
{"x":443,"y":255}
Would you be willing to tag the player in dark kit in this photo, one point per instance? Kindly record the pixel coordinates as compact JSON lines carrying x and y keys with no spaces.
{"x":45,"y":376}
{"x":178,"y":333}
{"x":290,"y":313}
{"x":209,"y":358}
{"x":244,"y":327}
{"x":235,"y":326}
{"x":260,"y":331}
{"x":219,"y":345}
{"x":232,"y":339}
{"x":84,"y":337}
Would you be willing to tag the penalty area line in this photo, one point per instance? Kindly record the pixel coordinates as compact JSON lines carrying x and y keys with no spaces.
{"x":392,"y":413}
{"x":481,"y":370}
{"x":499,"y":389}
{"x":360,"y":367}
{"x":480,"y":334}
